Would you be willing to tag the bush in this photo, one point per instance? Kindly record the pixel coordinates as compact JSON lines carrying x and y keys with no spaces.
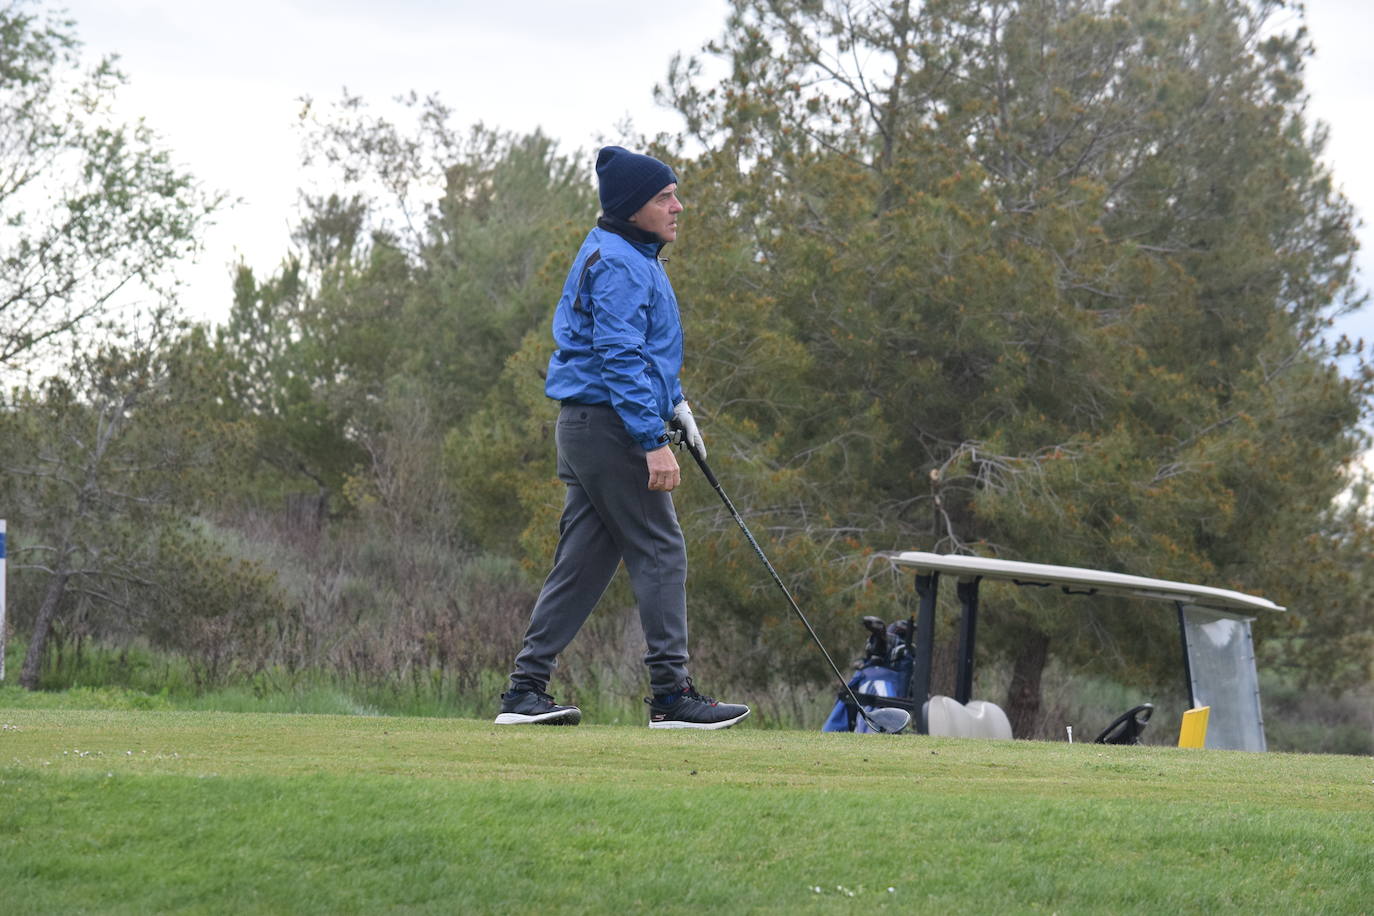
{"x":1314,"y":721}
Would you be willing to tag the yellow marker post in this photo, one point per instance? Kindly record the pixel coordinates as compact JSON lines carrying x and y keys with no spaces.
{"x":1193,"y":732}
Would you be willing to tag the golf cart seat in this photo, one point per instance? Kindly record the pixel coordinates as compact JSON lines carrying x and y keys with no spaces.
{"x":947,"y":717}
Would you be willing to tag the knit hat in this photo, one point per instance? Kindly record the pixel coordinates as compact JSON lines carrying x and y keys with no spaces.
{"x":628,"y":180}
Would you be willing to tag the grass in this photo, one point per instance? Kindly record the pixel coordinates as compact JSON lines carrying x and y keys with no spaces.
{"x":136,"y":811}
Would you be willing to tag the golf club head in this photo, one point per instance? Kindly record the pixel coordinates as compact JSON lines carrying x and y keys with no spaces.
{"x":889,"y":720}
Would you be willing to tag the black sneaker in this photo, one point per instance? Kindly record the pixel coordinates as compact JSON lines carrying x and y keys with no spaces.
{"x":692,"y":710}
{"x":534,"y":707}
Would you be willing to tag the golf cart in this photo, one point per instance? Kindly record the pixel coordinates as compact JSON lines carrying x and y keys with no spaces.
{"x":1214,"y":627}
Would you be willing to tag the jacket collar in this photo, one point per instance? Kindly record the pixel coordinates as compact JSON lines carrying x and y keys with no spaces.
{"x":631,"y":233}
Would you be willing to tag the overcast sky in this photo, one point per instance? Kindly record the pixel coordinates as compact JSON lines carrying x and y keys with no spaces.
{"x":221,"y":83}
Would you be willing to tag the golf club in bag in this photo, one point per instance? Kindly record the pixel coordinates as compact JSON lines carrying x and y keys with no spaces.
{"x":882,"y":677}
{"x":887,"y":720}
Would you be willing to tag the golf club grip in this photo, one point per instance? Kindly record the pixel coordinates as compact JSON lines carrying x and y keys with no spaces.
{"x":701,"y":463}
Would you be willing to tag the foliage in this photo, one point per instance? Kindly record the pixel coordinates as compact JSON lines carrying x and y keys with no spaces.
{"x":1313,"y":721}
{"x":100,"y":454}
{"x":278,"y":372}
{"x":473,"y":217}
{"x":100,"y":464}
{"x":93,"y":210}
{"x":1046,"y":281}
{"x":1060,"y":273}
{"x":395,"y":293}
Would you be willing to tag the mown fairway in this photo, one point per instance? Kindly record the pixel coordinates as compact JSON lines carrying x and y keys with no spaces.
{"x":209,"y":812}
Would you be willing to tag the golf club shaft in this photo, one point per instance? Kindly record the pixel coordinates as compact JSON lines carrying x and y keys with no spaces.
{"x":734,"y":513}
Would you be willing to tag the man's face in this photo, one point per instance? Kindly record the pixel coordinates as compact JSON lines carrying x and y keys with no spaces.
{"x":659,"y":215}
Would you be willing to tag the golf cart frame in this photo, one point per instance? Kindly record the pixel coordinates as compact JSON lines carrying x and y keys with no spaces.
{"x":1214,"y":630}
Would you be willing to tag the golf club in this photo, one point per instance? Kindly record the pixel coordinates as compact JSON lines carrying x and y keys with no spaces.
{"x":875,"y":650}
{"x":888,"y":720}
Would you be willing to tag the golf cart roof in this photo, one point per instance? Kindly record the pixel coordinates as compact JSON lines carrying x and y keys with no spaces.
{"x":1073,"y":578}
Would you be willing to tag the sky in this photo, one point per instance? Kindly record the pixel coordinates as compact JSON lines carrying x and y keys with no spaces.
{"x":222,"y":84}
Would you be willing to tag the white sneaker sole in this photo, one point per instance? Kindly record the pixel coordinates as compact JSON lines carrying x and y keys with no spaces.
{"x":702,"y":725}
{"x":560,"y":717}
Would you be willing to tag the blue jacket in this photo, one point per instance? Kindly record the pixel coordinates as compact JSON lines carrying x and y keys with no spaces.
{"x":619,"y":335}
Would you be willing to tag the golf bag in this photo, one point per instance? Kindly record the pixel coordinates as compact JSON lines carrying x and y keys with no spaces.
{"x":882,"y":679}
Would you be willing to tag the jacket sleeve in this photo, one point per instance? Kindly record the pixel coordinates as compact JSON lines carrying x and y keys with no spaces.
{"x":620,"y":319}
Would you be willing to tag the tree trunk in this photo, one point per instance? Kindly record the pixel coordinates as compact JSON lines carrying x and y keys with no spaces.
{"x":38,"y":643}
{"x":1023,"y":696}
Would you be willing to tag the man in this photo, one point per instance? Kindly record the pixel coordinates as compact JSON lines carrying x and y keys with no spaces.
{"x":615,"y":373}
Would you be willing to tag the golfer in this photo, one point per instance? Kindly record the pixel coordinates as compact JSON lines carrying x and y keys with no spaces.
{"x":615,"y":373}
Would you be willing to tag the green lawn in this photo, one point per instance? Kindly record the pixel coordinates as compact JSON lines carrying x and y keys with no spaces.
{"x":155,"y":811}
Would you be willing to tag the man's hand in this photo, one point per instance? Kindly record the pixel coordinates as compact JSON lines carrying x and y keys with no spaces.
{"x":683,"y":420}
{"x":664,"y":474}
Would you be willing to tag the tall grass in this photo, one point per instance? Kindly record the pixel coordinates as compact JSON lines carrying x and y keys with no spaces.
{"x":603,"y":675}
{"x":389,"y":620}
{"x":139,"y":677}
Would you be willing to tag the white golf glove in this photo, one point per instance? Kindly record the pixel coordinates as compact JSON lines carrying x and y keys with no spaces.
{"x":683,"y":419}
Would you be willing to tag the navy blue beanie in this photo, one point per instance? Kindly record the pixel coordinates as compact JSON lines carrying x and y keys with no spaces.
{"x":628,"y":180}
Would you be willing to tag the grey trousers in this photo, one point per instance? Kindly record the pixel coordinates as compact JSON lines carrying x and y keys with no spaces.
{"x":609,"y":514}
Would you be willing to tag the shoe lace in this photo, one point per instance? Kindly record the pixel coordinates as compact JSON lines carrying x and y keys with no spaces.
{"x":691,"y":693}
{"x":538,"y":694}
